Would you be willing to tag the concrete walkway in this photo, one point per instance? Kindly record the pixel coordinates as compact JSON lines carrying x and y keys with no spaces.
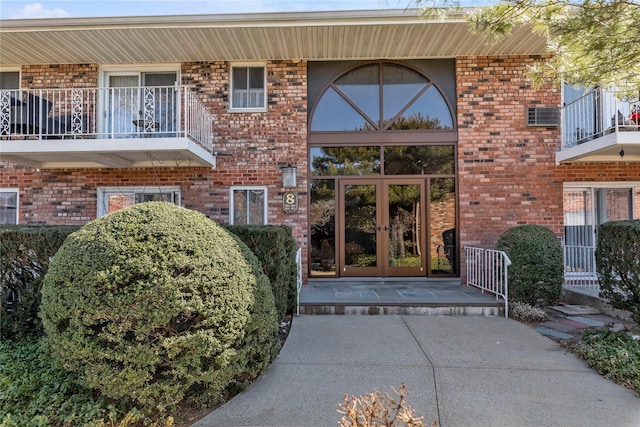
{"x":460,"y":371}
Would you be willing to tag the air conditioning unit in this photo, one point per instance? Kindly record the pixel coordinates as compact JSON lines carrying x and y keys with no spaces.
{"x":543,"y":116}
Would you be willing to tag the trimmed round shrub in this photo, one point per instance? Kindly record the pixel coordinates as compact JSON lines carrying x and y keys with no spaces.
{"x":157,"y":304}
{"x":618,"y":265}
{"x":536,"y":272}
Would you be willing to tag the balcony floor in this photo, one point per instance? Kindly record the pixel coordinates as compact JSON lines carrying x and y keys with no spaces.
{"x":606,"y":148}
{"x":107,"y":153}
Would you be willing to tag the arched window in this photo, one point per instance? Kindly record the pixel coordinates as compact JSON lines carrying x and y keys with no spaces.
{"x":381,"y":97}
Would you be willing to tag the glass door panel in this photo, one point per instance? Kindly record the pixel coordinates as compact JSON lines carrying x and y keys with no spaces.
{"x":160,"y":103}
{"x":123,"y":105}
{"x":442,"y":227}
{"x":322,"y":219}
{"x":404,"y":239}
{"x":613,"y":204}
{"x":360,"y":215}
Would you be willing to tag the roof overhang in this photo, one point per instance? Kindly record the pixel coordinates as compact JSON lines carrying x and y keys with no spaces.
{"x":390,"y":34}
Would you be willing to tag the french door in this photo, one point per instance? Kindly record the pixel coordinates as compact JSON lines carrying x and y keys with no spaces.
{"x":140,"y":103}
{"x":382,"y":233}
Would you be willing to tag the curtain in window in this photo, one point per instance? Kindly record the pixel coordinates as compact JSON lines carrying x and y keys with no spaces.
{"x":248,"y":207}
{"x":123,"y":107}
{"x":248,"y":87}
{"x":8,"y":208}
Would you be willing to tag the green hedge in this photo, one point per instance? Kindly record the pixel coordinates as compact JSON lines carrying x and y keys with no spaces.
{"x":618,"y":264}
{"x":25,"y":252}
{"x":536,"y":273}
{"x":159,"y":305}
{"x":276,"y":249}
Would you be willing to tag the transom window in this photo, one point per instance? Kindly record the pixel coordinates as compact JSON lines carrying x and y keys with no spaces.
{"x":379,"y":97}
{"x":248,"y":205}
{"x":370,"y":160}
{"x":8,"y":206}
{"x":248,"y":85}
{"x":111,"y":199}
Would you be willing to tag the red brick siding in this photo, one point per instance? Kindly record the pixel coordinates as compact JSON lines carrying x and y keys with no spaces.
{"x":255,"y":142}
{"x":507,"y":171}
{"x":59,"y":76}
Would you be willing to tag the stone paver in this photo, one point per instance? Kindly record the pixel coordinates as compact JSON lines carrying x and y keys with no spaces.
{"x":552,"y":333}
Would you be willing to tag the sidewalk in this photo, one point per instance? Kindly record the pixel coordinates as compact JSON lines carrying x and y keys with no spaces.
{"x":460,"y":371}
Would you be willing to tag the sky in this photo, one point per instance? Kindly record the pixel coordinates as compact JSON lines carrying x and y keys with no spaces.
{"x":25,"y":9}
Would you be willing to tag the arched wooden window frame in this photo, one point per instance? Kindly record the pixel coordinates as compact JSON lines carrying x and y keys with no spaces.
{"x":382,"y":134}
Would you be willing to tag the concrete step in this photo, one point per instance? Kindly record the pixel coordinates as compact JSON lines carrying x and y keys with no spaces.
{"x":491,"y":309}
{"x":397,"y":297}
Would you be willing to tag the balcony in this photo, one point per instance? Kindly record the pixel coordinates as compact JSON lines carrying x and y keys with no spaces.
{"x":118,"y":127}
{"x":601,"y":126}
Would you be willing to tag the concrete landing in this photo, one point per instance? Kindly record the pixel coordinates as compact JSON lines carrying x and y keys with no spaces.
{"x":406,"y":297}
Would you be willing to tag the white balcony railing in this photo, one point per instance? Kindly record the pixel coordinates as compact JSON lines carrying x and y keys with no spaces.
{"x":105,"y":113}
{"x":596,"y":114}
{"x":580,"y":267}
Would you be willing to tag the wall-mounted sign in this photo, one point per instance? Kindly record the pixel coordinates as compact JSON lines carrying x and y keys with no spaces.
{"x":290,"y":202}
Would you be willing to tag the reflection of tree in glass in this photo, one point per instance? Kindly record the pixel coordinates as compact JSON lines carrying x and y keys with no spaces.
{"x":322,"y":216}
{"x":442,"y":189}
{"x":417,"y":121}
{"x":347,"y":161}
{"x":419,"y":160}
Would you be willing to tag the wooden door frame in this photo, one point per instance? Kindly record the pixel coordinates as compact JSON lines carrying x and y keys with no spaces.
{"x":357,"y":271}
{"x":382,"y":268}
{"x":420,"y":271}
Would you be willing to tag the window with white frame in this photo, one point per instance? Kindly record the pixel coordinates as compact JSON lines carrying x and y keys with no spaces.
{"x":111,"y":199}
{"x":9,"y":79}
{"x":248,"y":205}
{"x":8,"y":205}
{"x":248,"y":87}
{"x":588,"y":205}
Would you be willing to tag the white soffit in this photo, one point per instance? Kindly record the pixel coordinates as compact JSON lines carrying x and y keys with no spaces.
{"x":391,"y":34}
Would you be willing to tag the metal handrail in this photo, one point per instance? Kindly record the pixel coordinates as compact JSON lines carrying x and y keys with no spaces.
{"x":487,"y":269}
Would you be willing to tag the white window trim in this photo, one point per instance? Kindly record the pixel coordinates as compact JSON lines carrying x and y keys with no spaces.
{"x":103,"y":191}
{"x":105,"y":71}
{"x":125,"y":70}
{"x":233,"y":65}
{"x":5,"y":69}
{"x":592,"y":186}
{"x":248,"y":187}
{"x":17,"y":191}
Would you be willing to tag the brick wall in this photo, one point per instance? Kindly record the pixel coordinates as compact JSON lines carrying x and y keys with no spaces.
{"x":57,"y":76}
{"x":256,"y":143}
{"x":507,"y":171}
